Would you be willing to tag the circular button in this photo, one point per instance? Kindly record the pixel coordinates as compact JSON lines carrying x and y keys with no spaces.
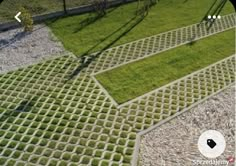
{"x":211,"y":144}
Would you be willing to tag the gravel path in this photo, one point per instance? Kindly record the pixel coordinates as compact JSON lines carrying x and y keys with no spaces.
{"x":175,"y":142}
{"x":18,"y":49}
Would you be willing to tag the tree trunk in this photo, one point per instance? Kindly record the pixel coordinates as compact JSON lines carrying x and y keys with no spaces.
{"x":64,"y":6}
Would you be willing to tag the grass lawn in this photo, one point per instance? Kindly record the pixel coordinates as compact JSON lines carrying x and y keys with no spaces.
{"x":86,"y":34}
{"x":9,"y":8}
{"x":142,"y":76}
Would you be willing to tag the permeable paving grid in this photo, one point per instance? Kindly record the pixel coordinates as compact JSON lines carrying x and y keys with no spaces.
{"x":55,"y":113}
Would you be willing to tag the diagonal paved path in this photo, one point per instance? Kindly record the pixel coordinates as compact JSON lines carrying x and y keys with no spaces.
{"x":65,"y":117}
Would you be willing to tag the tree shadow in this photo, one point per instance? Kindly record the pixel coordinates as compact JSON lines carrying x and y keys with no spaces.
{"x":24,"y":106}
{"x":192,"y":42}
{"x":92,"y":18}
{"x":216,"y":12}
{"x":17,"y":37}
{"x":214,"y":9}
{"x":88,"y":21}
{"x":87,"y":60}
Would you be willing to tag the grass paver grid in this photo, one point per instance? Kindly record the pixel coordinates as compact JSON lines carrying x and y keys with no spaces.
{"x":81,"y":122}
{"x":163,"y":102}
{"x":49,"y":119}
{"x":126,"y":53}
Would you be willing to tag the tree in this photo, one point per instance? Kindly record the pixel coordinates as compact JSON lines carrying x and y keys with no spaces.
{"x":144,"y":9}
{"x":100,"y":6}
{"x":27,"y":20}
{"x":64,"y":6}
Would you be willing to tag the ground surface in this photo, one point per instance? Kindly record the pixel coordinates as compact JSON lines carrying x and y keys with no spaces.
{"x":87,"y":33}
{"x":175,"y":142}
{"x":18,"y":49}
{"x":56,"y":112}
{"x":151,"y":73}
{"x":9,"y":8}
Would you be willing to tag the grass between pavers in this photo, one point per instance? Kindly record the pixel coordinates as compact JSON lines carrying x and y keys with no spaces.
{"x":47,"y":118}
{"x":85,"y":34}
{"x":132,"y":80}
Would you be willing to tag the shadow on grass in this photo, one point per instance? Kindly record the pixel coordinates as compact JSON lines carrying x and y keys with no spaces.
{"x":214,"y":9}
{"x":86,"y":60}
{"x":88,"y":21}
{"x":92,"y":18}
{"x":24,"y":106}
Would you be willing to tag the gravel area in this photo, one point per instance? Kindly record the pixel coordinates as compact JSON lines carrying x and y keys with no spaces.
{"x":18,"y":49}
{"x":175,"y":143}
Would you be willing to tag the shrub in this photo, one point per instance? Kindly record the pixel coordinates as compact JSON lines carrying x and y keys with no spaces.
{"x":27,"y":20}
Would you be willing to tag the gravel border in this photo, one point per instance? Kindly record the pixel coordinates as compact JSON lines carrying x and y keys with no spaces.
{"x":19,"y":49}
{"x":217,"y":113}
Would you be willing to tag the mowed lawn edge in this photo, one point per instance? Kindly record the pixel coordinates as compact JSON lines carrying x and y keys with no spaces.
{"x":135,"y":79}
{"x":86,"y":33}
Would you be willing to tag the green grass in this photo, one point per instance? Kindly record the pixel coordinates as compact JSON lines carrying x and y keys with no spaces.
{"x":145,"y":75}
{"x":9,"y":8}
{"x":119,"y":25}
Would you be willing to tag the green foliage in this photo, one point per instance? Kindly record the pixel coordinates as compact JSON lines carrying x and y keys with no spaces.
{"x":27,"y":20}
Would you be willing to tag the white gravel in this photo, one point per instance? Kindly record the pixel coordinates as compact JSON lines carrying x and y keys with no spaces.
{"x":175,"y":143}
{"x":18,"y":49}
